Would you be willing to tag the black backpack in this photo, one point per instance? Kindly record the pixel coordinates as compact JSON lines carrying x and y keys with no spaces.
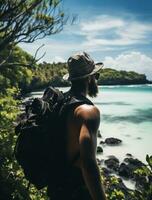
{"x":38,"y":133}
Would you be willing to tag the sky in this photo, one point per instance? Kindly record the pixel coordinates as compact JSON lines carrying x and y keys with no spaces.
{"x":115,"y":32}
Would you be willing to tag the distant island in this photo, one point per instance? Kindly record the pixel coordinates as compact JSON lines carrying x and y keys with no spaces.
{"x":29,"y":76}
{"x":107,"y":76}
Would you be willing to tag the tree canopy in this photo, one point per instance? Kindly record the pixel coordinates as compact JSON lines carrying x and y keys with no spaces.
{"x":29,"y":20}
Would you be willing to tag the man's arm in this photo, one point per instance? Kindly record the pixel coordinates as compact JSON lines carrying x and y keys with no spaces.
{"x":89,"y":117}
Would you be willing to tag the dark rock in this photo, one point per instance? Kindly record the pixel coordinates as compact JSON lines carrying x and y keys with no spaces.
{"x":135,"y":162}
{"x":127,"y":169}
{"x":106,"y":171}
{"x":112,"y":141}
{"x":99,"y":134}
{"x":112,"y":163}
{"x":99,"y":149}
{"x":129,"y":154}
{"x":102,"y":142}
{"x":138,"y":138}
{"x":141,"y":182}
{"x":124,"y":171}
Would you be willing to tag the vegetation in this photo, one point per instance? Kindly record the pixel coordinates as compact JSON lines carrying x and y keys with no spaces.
{"x":51,"y":74}
{"x":20,"y":70}
{"x":29,"y":20}
{"x":12,"y":182}
{"x":144,"y":177}
{"x":15,"y":72}
{"x":116,"y":190}
{"x":20,"y":21}
{"x":113,"y":77}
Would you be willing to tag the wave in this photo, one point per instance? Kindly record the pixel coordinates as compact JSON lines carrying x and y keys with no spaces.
{"x":149,"y":85}
{"x":109,"y":86}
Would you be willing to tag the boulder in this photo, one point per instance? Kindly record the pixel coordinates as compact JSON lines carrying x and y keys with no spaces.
{"x":99,"y":149}
{"x":99,"y":134}
{"x":102,"y":142}
{"x":124,"y":171}
{"x":113,"y":141}
{"x":134,"y":162}
{"x":128,"y":167}
{"x":112,"y":163}
{"x":141,"y":182}
{"x":129,"y":155}
{"x":106,"y":171}
{"x":138,"y":138}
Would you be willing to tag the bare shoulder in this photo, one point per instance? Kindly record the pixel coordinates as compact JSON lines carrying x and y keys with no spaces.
{"x":87,"y":112}
{"x":88,"y":116}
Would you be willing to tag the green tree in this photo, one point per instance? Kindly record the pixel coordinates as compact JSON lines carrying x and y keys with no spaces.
{"x":16,"y":71}
{"x":29,"y":20}
{"x":20,"y":21}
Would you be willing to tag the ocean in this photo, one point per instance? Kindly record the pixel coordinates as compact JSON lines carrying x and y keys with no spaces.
{"x":126,"y":113}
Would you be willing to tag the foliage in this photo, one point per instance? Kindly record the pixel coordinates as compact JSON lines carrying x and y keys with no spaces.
{"x":144,"y":180}
{"x":47,"y":74}
{"x":12,"y":182}
{"x":20,"y":21}
{"x":16,"y":71}
{"x":8,"y":113}
{"x":113,"y":77}
{"x":29,"y":20}
{"x":115,"y":188}
{"x":117,"y":195}
{"x":21,"y":71}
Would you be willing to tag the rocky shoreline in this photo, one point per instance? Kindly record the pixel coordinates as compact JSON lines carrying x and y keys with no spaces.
{"x":116,"y":172}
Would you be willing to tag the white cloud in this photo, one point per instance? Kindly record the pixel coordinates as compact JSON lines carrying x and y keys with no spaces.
{"x":135,"y":31}
{"x":103,"y":22}
{"x":120,"y":31}
{"x":100,"y":34}
{"x":134,"y":61}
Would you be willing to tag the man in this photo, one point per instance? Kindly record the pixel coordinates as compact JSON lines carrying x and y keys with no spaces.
{"x":82,"y":123}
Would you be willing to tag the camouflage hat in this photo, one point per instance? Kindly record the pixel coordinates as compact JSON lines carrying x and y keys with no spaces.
{"x":81,"y":66}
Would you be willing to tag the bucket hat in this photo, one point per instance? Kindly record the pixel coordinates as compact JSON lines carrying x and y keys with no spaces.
{"x":80,"y":66}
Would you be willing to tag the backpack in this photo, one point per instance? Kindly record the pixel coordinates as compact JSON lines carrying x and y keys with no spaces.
{"x":39,"y":131}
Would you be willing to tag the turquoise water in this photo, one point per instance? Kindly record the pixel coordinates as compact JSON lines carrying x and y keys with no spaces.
{"x":126,"y":113}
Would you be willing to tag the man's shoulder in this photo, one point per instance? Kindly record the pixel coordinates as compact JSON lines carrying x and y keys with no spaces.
{"x":86,"y":111}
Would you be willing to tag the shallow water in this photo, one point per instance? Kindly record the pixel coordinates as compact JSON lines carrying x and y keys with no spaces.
{"x":126,"y":113}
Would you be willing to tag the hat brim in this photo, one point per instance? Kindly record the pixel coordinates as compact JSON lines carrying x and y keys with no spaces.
{"x":97,"y":67}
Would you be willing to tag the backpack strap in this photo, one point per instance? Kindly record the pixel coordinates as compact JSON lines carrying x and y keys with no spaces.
{"x":71,"y":101}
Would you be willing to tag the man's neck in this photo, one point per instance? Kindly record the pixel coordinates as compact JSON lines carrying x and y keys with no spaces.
{"x":78,"y":92}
